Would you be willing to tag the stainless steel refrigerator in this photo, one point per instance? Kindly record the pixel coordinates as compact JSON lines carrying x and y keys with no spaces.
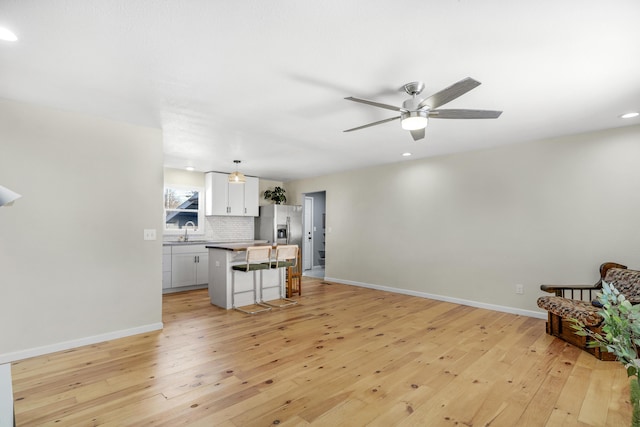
{"x":281,"y":224}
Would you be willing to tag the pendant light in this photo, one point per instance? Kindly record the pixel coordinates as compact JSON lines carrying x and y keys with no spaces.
{"x":237,"y":177}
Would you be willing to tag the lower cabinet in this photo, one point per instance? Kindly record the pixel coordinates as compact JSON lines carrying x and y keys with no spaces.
{"x":166,"y":267}
{"x":189,"y":266}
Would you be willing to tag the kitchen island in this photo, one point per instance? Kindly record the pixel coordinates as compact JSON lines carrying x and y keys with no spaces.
{"x":224,"y":255}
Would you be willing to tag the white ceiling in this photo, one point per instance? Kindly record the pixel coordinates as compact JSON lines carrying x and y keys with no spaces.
{"x":264,"y":81}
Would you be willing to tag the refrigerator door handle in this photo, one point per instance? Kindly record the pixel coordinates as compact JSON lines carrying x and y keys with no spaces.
{"x":288,"y":229}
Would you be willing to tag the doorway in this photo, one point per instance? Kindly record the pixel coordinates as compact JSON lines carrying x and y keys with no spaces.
{"x":314,"y":250}
{"x":307,"y":246}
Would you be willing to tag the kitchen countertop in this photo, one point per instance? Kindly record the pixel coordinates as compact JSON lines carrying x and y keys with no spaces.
{"x":211,"y":242}
{"x":237,"y":246}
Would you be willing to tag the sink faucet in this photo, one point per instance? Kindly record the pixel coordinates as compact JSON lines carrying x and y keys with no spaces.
{"x":186,"y":237}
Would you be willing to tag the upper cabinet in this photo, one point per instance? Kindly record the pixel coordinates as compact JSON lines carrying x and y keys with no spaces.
{"x":216,"y":194}
{"x":251,"y":196}
{"x":225,"y":199}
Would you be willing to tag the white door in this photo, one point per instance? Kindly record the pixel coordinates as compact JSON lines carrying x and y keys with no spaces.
{"x":307,"y":244}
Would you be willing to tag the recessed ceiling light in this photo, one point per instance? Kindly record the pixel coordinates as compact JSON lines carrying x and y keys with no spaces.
{"x":7,"y":35}
{"x":630,"y":115}
{"x":190,"y":168}
{"x":406,"y":154}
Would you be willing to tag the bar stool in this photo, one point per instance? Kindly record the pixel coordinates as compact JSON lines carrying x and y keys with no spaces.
{"x":286,"y":256}
{"x":258,"y":258}
{"x":294,"y":278}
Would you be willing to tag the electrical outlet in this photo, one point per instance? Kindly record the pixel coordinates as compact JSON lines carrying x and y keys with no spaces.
{"x":149,"y":234}
{"x":519,"y":289}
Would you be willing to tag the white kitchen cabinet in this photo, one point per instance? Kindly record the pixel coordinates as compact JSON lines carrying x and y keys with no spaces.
{"x":252,"y":197}
{"x":235,"y":199}
{"x":224,"y":199}
{"x":166,"y":267}
{"x":216,"y":194}
{"x":189,"y":265}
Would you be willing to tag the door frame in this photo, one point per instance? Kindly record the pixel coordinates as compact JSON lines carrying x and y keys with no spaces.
{"x":307,"y":254}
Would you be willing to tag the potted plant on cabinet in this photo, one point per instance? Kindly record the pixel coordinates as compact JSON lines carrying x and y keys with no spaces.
{"x":276,"y":195}
{"x":620,"y":336}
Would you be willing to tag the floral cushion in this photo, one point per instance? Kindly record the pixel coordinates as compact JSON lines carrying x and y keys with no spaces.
{"x":625,"y":281}
{"x":571,"y":309}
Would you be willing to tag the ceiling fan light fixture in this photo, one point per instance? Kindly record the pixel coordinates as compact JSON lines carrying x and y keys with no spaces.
{"x":7,"y":35}
{"x":7,"y":197}
{"x":237,"y":177}
{"x":414,"y":120}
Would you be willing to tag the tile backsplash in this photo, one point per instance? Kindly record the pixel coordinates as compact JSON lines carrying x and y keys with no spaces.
{"x":229,"y":228}
{"x":222,"y":229}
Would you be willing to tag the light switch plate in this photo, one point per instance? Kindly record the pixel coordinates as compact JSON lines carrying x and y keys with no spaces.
{"x":149,"y":234}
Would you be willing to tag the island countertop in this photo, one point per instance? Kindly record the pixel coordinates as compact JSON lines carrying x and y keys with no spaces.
{"x":237,"y":246}
{"x":229,"y":288}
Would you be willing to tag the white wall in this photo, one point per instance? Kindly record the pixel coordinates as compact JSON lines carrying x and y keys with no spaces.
{"x":74,"y":266}
{"x":265,"y":185}
{"x":470,"y":226}
{"x":6,"y":396}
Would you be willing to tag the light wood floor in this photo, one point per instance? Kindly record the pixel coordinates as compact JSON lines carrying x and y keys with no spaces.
{"x":344,"y":356}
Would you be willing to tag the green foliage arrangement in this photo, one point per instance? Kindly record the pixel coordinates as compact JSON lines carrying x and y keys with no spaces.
{"x":276,"y":195}
{"x":620,"y":336}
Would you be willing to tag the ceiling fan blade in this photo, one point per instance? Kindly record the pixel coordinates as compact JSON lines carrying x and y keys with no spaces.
{"x":417,"y":134}
{"x":450,"y":93}
{"x":464,"y":114}
{"x":376,"y":104}
{"x":373,"y":124}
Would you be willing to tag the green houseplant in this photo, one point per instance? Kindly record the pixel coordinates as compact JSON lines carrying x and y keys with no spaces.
{"x":620,"y":336}
{"x":276,"y":195}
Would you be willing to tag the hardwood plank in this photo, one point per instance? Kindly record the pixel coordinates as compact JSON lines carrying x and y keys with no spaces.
{"x":342,"y":356}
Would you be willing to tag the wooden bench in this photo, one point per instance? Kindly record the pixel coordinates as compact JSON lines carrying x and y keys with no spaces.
{"x":576,"y":302}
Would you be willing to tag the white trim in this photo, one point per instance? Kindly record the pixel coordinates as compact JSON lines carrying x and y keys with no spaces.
{"x":199,"y":231}
{"x":6,"y":396}
{"x":493,"y":307}
{"x":66,"y":345}
{"x":307,"y":258}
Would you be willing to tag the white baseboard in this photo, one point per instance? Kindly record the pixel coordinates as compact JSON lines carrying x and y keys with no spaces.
{"x":66,"y":345}
{"x":494,"y":307}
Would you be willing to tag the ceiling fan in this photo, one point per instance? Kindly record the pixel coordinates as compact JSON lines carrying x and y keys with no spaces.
{"x":415,"y":112}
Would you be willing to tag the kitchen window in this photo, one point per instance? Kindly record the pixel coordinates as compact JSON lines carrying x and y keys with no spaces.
{"x":182,"y":209}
